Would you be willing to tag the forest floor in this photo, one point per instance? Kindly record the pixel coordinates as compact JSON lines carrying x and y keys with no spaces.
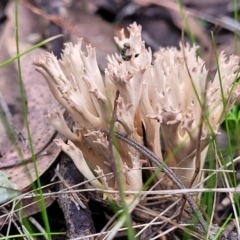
{"x":96,"y":22}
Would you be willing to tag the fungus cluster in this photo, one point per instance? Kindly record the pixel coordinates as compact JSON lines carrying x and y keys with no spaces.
{"x":169,"y":94}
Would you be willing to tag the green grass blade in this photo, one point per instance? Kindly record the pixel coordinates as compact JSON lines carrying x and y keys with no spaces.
{"x":41,"y":202}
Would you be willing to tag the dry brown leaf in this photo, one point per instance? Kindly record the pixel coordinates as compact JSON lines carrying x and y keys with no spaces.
{"x":39,"y":99}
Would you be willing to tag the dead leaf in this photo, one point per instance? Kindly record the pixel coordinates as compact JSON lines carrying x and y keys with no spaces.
{"x":39,"y":99}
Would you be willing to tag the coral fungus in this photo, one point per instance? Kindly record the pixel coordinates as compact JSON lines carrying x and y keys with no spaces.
{"x":170,"y":93}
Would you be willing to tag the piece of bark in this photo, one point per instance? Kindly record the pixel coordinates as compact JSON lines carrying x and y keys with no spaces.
{"x":78,"y":220}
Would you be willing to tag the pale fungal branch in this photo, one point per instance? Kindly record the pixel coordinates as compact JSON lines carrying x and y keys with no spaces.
{"x":77,"y":157}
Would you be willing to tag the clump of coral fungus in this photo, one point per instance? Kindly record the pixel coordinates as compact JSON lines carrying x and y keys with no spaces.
{"x":165,"y":94}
